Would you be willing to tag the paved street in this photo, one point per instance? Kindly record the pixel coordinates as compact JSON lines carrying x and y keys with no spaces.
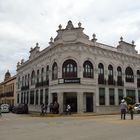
{"x":107,"y":127}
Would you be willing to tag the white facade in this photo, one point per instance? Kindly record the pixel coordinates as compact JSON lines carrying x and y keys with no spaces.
{"x":88,"y":75}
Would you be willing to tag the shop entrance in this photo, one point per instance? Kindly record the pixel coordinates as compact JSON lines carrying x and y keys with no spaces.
{"x":54,"y":97}
{"x":89,"y":102}
{"x":71,"y":99}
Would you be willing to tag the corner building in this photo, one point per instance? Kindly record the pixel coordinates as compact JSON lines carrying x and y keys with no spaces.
{"x":8,"y":89}
{"x":88,"y":75}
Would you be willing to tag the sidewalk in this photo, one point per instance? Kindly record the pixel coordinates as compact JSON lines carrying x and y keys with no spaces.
{"x":37,"y":114}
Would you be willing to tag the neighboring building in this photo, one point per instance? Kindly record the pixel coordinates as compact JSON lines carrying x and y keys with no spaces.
{"x":88,"y":75}
{"x":8,"y":89}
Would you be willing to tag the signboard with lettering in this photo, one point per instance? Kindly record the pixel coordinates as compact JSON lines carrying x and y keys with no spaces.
{"x":69,"y":80}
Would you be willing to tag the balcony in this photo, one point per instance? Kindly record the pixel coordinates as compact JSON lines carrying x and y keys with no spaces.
{"x":138,"y":83}
{"x":41,"y":84}
{"x":120,"y":83}
{"x":111,"y":82}
{"x":102,"y":81}
{"x":7,"y":94}
{"x":25,"y":88}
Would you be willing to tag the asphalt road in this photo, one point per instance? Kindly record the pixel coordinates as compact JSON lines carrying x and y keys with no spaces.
{"x":106,"y":127}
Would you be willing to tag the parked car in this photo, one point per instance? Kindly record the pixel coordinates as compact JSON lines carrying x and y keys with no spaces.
{"x":137,"y":108}
{"x":4,"y":108}
{"x":20,"y":109}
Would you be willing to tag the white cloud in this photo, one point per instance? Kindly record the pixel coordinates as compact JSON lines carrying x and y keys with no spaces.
{"x":25,"y":22}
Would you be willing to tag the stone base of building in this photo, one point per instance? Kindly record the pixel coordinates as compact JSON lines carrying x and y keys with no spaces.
{"x":107,"y":109}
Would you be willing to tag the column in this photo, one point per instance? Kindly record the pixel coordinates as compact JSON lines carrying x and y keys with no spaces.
{"x":84,"y":102}
{"x":34,"y":92}
{"x":49,"y":96}
{"x":136,"y":95}
{"x":107,"y":96}
{"x":97,"y":96}
{"x":29,"y":97}
{"x":43,"y":95}
{"x":39,"y":97}
{"x":80,"y":102}
{"x":116,"y":96}
{"x":26,"y":97}
{"x":124,"y":92}
{"x":60,"y":101}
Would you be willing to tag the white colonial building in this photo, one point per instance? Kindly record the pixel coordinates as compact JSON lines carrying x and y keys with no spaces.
{"x":88,"y":75}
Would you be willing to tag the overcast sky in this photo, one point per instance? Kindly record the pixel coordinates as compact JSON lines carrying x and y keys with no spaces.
{"x":25,"y":22}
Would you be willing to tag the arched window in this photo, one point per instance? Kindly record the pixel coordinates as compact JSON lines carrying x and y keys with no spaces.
{"x":54,"y":71}
{"x":119,"y":71}
{"x":22,"y":81}
{"x":25,"y":80}
{"x":88,"y":69}
{"x":69,"y":69}
{"x":119,"y":76}
{"x":138,"y":78}
{"x":33,"y":78}
{"x":37,"y":76}
{"x":47,"y":72}
{"x":101,"y":79}
{"x":18,"y":82}
{"x":28,"y":78}
{"x":110,"y":75}
{"x":42,"y":74}
{"x":129,"y":76}
{"x":110,"y":70}
{"x":101,"y":69}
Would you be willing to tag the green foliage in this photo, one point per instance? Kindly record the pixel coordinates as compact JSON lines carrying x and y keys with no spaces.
{"x":128,"y":100}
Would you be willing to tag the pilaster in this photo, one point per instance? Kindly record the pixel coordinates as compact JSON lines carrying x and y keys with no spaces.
{"x":80,"y":102}
{"x":107,"y":96}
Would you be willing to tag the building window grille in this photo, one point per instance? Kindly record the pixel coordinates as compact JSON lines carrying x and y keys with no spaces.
{"x":111,"y":97}
{"x":32,"y":97}
{"x":88,"y":69}
{"x":102,"y":96}
{"x":69,"y":69}
{"x":129,"y":76}
{"x":33,"y":78}
{"x":54,"y":71}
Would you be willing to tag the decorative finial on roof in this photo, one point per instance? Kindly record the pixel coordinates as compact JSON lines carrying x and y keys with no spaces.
{"x":94,"y":37}
{"x":51,"y":41}
{"x":79,"y":24}
{"x":69,"y":25}
{"x":18,"y":64}
{"x":22,"y":61}
{"x":60,"y":27}
{"x":7,"y":75}
{"x":121,"y":38}
{"x":37,"y":44}
{"x":133,"y":42}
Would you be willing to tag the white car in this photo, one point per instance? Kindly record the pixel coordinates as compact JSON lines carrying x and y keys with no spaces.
{"x":4,"y":108}
{"x":137,"y":107}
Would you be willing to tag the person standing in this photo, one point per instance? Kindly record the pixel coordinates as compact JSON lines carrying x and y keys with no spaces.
{"x":131,"y":110}
{"x":42,"y":109}
{"x":123,"y":107}
{"x":45,"y":108}
{"x":68,"y":109}
{"x":0,"y":111}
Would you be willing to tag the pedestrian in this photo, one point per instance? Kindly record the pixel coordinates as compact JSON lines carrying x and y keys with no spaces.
{"x":123,"y":107}
{"x":42,"y":109}
{"x":0,"y":111}
{"x":45,"y":108}
{"x":51,"y":108}
{"x":131,"y":111}
{"x":68,"y":109}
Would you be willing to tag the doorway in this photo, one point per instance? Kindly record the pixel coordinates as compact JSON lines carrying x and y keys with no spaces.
{"x":89,"y":102}
{"x":71,"y":99}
